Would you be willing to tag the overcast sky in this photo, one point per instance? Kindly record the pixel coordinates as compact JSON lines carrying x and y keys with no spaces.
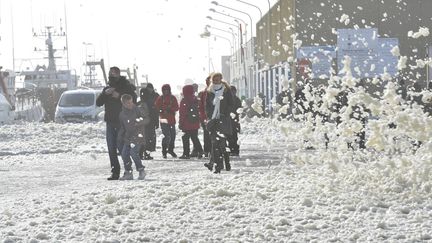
{"x":162,"y":37}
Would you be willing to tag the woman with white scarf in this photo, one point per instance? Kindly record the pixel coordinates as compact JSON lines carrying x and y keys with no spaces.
{"x":219,"y":103}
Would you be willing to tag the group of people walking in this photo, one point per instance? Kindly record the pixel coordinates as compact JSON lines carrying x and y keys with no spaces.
{"x":131,"y":125}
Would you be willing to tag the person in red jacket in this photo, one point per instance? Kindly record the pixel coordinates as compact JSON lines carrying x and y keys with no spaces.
{"x":167,"y":106}
{"x":189,"y":122}
{"x":203,"y":117}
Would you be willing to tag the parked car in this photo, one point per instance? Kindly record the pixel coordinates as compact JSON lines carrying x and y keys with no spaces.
{"x":78,"y":106}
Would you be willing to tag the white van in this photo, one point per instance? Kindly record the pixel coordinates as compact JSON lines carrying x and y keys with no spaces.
{"x":78,"y":106}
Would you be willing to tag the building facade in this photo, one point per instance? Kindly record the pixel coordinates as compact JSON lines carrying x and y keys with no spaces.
{"x":294,"y":24}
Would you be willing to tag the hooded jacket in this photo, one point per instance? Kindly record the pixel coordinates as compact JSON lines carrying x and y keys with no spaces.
{"x":132,"y":124}
{"x":149,"y":98}
{"x":113,"y":105}
{"x":187,"y":104}
{"x":167,"y":105}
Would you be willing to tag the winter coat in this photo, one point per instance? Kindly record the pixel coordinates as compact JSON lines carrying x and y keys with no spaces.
{"x":302,"y":103}
{"x":202,"y":105}
{"x":236,"y":119}
{"x":113,"y":105}
{"x":132,"y":124}
{"x":167,"y":106}
{"x":189,"y":115}
{"x":149,"y":98}
{"x":224,"y":125}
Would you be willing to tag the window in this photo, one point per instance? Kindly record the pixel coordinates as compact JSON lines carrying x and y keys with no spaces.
{"x":77,"y":100}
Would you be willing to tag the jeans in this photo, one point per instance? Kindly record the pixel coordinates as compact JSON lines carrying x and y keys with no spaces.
{"x":150,"y":134}
{"x":111,"y":138}
{"x":207,"y":140}
{"x":233,"y":142}
{"x":193,"y":135}
{"x":150,"y":138}
{"x":169,"y":133}
{"x":131,"y":151}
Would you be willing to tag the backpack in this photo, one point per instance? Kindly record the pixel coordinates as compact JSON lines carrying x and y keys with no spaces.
{"x":192,"y":114}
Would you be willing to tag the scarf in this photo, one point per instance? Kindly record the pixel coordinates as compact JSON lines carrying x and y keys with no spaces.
{"x":218,"y":90}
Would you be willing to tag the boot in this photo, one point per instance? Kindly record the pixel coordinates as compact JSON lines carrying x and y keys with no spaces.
{"x":194,"y":153}
{"x":127,"y":176}
{"x":164,"y":151}
{"x":147,"y":156}
{"x":209,"y":166}
{"x":234,"y":153}
{"x":141,"y":175}
{"x":219,"y":163}
{"x":174,"y":155}
{"x":217,"y":170}
{"x":227,"y":162}
{"x":184,"y":156}
{"x":113,"y":177}
{"x":142,"y":153}
{"x":200,"y":155}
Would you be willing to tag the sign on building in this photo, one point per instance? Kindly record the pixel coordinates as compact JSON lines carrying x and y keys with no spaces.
{"x":370,"y":55}
{"x":384,"y":57}
{"x":320,"y":57}
{"x":361,"y":46}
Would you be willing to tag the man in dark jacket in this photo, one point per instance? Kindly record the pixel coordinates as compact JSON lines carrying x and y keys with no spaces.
{"x":110,"y":97}
{"x":219,"y":104}
{"x":148,"y":96}
{"x":235,"y":119}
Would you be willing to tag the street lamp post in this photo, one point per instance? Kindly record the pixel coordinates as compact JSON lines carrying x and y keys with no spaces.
{"x":238,"y":19}
{"x":252,"y":42}
{"x":220,"y":21}
{"x":236,"y":10}
{"x":252,"y":6}
{"x":269,"y":22}
{"x":227,"y":15}
{"x":229,"y":32}
{"x":236,"y":43}
{"x":232,"y":48}
{"x":235,"y":34}
{"x":254,"y":67}
{"x":235,"y":19}
{"x":206,"y":34}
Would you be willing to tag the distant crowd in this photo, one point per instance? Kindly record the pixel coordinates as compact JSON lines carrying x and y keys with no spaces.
{"x":131,"y":124}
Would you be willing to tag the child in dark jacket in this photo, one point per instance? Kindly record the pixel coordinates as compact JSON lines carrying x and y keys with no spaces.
{"x":189,"y":122}
{"x":133,"y":120}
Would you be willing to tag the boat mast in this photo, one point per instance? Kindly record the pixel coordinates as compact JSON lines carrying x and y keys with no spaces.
{"x":13,"y":37}
{"x":66,"y":30}
{"x":51,"y":51}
